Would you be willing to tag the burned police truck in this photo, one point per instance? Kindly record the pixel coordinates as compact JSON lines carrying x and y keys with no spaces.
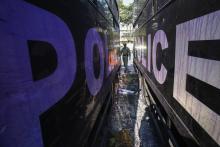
{"x":58,"y":60}
{"x":177,"y":44}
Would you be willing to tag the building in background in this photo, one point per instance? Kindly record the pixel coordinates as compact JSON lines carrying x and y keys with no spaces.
{"x":126,"y":31}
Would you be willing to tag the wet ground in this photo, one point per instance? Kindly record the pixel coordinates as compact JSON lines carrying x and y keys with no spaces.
{"x":129,"y":123}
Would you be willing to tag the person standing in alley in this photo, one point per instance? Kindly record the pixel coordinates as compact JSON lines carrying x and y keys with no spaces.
{"x":125,"y":53}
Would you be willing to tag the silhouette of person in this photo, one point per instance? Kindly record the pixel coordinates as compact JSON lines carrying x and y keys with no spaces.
{"x":125,"y":53}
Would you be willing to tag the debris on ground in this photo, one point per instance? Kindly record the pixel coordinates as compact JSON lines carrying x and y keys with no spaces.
{"x":128,"y":123}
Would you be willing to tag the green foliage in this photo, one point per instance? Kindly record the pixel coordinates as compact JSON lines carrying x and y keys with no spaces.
{"x":125,"y":12}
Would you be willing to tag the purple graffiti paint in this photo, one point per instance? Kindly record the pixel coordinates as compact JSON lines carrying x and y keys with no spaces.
{"x":93,"y":38}
{"x":22,"y":100}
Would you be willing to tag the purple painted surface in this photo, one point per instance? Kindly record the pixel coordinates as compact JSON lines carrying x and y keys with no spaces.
{"x":21,"y":99}
{"x":143,"y":50}
{"x":139,"y":49}
{"x":149,"y":52}
{"x":92,"y":38}
{"x":160,"y":74}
